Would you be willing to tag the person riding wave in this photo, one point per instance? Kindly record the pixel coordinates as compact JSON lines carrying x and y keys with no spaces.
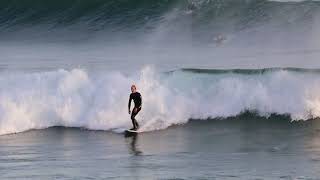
{"x":137,"y":99}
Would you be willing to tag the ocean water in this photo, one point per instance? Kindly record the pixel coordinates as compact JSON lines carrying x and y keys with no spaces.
{"x":247,"y":147}
{"x":230,"y":89}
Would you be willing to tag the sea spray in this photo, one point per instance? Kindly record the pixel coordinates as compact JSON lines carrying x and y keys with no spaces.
{"x":77,"y":98}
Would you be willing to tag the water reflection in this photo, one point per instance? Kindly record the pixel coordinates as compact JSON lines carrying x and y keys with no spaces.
{"x":133,"y":138}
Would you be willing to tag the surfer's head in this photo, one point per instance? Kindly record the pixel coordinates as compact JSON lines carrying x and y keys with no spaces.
{"x":133,"y":88}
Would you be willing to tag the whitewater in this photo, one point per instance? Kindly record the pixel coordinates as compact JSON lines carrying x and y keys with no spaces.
{"x":98,"y":101}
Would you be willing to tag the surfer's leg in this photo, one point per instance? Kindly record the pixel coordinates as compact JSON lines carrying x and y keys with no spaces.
{"x":133,"y":120}
{"x":133,"y":117}
{"x":137,"y":111}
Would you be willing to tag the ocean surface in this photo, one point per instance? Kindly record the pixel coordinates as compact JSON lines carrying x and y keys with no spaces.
{"x":230,"y":89}
{"x":247,"y":147}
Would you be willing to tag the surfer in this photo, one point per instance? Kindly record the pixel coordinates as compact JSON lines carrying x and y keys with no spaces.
{"x":136,"y":97}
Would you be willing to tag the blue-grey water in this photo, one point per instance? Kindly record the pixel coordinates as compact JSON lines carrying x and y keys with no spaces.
{"x":240,"y":148}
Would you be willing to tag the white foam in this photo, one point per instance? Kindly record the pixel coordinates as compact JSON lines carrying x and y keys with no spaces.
{"x":99,"y":101}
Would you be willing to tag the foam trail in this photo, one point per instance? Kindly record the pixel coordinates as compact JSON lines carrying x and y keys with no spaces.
{"x":76,"y":98}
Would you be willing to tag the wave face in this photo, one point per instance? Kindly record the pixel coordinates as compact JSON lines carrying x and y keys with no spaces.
{"x":98,"y":101}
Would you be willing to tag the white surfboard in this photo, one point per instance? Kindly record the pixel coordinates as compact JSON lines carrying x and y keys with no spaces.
{"x":132,"y":131}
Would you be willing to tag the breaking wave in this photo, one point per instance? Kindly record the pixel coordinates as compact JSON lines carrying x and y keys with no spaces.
{"x":98,"y":101}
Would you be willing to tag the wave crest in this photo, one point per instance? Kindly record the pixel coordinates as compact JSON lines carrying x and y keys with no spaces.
{"x":76,"y":98}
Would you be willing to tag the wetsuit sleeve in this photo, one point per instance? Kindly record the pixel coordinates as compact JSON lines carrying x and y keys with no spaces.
{"x":140,"y":100}
{"x":129,"y":103}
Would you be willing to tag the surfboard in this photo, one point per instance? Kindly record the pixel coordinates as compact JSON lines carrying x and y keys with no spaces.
{"x":131,"y":131}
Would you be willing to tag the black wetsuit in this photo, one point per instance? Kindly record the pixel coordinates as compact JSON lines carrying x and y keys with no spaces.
{"x":136,"y":97}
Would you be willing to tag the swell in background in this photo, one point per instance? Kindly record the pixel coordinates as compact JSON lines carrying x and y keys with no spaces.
{"x":126,"y":35}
